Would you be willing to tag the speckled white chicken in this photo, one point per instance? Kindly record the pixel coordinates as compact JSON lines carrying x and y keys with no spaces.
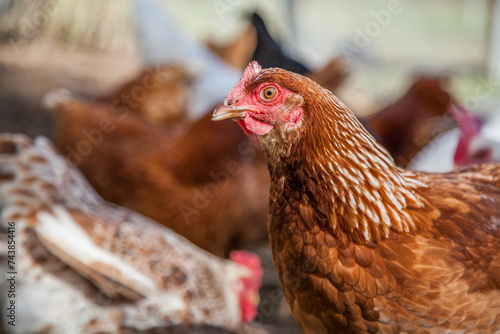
{"x":85,"y":266}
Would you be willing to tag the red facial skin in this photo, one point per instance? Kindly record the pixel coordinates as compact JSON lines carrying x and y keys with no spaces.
{"x":263,"y":113}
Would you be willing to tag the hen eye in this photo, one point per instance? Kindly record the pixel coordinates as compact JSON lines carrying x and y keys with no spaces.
{"x":269,"y":93}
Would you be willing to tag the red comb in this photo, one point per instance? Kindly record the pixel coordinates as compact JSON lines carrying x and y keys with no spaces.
{"x":252,"y":261}
{"x":251,"y":284}
{"x":252,"y":69}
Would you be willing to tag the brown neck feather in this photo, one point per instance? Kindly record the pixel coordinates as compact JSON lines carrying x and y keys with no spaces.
{"x":340,"y":169}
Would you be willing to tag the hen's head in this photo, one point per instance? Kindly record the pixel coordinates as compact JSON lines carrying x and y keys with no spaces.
{"x":260,"y":103}
{"x":284,"y":108}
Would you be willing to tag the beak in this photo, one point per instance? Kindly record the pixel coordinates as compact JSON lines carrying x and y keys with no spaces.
{"x":224,"y":111}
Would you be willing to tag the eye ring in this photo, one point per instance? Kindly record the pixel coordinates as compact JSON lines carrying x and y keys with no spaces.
{"x":269,"y":93}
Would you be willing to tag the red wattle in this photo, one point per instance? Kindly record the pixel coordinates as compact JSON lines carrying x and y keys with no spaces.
{"x":253,"y":125}
{"x":248,"y":311}
{"x":244,"y":127}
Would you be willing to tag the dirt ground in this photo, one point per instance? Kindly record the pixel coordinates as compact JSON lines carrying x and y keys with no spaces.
{"x":27,"y":74}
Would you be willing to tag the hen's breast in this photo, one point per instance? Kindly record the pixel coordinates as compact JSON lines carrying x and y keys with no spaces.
{"x":412,"y":283}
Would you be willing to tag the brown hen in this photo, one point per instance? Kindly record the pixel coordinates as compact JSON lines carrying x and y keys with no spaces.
{"x":159,"y":93}
{"x":360,"y":245}
{"x":411,"y":122}
{"x":207,"y":182}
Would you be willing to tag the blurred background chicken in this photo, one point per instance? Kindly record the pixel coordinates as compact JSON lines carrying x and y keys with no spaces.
{"x":475,"y":141}
{"x":159,"y":94}
{"x":151,"y":276}
{"x":141,"y":68}
{"x":411,"y":122}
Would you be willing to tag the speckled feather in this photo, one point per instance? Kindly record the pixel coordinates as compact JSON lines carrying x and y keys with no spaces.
{"x":147,"y":276}
{"x":362,"y":246}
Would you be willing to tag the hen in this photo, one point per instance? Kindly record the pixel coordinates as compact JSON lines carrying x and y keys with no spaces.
{"x":360,"y":245}
{"x":158,"y":93}
{"x":207,"y":182}
{"x":407,"y":125}
{"x":150,"y":276}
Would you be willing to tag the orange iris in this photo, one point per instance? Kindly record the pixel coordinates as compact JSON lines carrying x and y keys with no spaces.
{"x":269,"y":93}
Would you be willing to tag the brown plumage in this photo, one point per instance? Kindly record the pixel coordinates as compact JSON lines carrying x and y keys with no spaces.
{"x":360,"y":245}
{"x":159,"y":94}
{"x":407,"y":125}
{"x":187,"y":178}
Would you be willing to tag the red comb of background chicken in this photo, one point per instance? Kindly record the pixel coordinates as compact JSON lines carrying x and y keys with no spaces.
{"x":249,"y":294}
{"x":470,"y":127}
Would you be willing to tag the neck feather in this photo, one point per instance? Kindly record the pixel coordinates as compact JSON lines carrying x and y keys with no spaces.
{"x":337,"y":165}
